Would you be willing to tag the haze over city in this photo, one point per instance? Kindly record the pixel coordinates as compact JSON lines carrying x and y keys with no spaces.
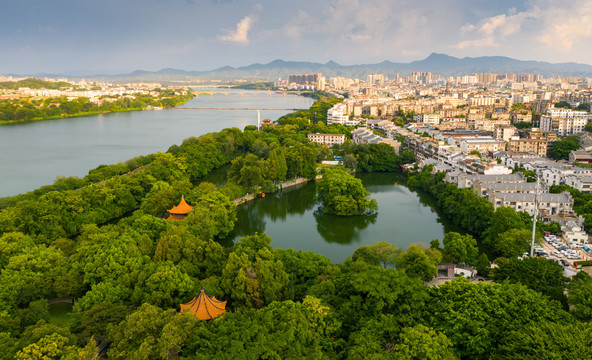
{"x":67,"y":36}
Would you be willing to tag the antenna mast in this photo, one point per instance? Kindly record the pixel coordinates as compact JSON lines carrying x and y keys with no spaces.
{"x":534,"y":216}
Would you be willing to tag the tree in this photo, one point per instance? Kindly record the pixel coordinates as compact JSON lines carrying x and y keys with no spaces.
{"x":560,"y":149}
{"x":364,"y":291}
{"x":477,"y":317}
{"x":342,"y":194}
{"x":276,"y":165}
{"x":384,"y":338}
{"x":579,"y":295}
{"x":282,"y":330}
{"x":96,"y":320}
{"x":150,"y":333}
{"x":546,"y":340}
{"x":562,"y":104}
{"x":420,"y":342}
{"x":539,"y":274}
{"x":460,"y":248}
{"x":252,"y":276}
{"x":504,"y":219}
{"x":406,"y":157}
{"x":350,"y":162}
{"x":381,"y":254}
{"x":513,"y":242}
{"x":419,"y":263}
{"x":248,"y":171}
{"x":483,"y":265}
{"x":54,"y":346}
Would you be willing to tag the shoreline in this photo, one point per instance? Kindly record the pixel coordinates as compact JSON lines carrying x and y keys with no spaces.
{"x":89,"y":113}
{"x":286,"y":184}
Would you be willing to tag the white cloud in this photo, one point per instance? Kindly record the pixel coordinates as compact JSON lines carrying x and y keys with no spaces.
{"x":483,"y":42}
{"x":240,"y":34}
{"x":567,"y":25}
{"x":377,"y":27}
{"x":556,"y":24}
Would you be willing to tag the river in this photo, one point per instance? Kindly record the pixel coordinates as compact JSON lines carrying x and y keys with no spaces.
{"x":290,"y":218}
{"x":34,"y":154}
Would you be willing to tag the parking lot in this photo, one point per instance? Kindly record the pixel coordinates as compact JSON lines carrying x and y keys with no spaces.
{"x":556,"y":248}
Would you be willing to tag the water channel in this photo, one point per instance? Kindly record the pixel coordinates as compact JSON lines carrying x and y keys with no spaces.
{"x":34,"y":154}
{"x":290,"y":218}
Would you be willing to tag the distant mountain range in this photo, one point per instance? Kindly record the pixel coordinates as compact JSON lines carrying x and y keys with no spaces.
{"x":435,"y":63}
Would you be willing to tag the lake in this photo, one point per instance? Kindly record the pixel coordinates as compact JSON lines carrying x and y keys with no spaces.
{"x":34,"y":154}
{"x":290,"y":218}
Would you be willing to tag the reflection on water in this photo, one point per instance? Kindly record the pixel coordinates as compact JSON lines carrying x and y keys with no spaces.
{"x":290,"y":218}
{"x":342,"y":229}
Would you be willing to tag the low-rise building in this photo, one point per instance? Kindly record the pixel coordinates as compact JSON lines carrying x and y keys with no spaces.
{"x":538,"y":146}
{"x":366,"y":136}
{"x":481,"y":144}
{"x":549,"y":204}
{"x":580,"y":182}
{"x":484,"y":189}
{"x":574,"y":232}
{"x":564,"y":121}
{"x":504,"y":132}
{"x":431,"y":119}
{"x":338,"y":115}
{"x":521,"y":116}
{"x":326,"y":139}
{"x":467,"y":181}
{"x":582,"y":156}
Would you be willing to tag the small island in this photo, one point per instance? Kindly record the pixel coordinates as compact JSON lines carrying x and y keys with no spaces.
{"x":342,"y":194}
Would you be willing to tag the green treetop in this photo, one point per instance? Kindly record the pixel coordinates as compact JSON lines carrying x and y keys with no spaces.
{"x":342,"y":194}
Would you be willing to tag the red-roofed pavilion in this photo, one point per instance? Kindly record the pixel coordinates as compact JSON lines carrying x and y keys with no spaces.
{"x":180,"y":211}
{"x":204,"y":307}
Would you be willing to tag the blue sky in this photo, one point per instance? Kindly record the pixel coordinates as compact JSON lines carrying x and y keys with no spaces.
{"x":113,"y":36}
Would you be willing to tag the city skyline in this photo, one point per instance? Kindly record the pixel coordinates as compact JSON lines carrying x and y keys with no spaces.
{"x":113,"y":37}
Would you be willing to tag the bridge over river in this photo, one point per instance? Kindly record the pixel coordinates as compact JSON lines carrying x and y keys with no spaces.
{"x":241,"y":92}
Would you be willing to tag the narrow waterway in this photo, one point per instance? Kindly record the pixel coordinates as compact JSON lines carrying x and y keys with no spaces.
{"x":34,"y":154}
{"x":290,"y":218}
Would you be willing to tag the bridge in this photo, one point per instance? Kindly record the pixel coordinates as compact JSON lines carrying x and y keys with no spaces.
{"x":240,"y":92}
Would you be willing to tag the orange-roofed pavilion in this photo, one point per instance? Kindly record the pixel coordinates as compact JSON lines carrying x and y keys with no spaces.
{"x":204,"y":307}
{"x":180,"y":211}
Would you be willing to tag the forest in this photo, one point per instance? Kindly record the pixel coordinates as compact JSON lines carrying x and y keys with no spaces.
{"x":102,"y":242}
{"x":25,"y":109}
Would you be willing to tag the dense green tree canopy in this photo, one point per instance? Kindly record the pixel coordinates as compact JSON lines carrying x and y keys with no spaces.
{"x":342,"y":194}
{"x":101,"y":241}
{"x":539,"y":274}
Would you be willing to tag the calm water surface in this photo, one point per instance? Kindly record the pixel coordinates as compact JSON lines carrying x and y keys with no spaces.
{"x":290,"y":218}
{"x":34,"y":154}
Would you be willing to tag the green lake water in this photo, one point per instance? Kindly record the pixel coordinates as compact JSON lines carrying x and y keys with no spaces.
{"x":290,"y":218}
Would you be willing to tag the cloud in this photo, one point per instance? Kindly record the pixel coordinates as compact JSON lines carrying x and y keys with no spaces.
{"x":240,"y":34}
{"x":555,"y":24}
{"x":376,"y":27}
{"x":566,"y":26}
{"x":483,"y":42}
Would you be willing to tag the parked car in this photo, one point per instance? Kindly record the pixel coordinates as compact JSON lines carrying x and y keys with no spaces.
{"x":565,"y":262}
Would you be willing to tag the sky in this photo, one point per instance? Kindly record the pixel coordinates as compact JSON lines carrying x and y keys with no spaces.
{"x":116,"y":36}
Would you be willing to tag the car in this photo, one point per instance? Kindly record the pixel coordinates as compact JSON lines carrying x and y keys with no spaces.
{"x":565,"y":262}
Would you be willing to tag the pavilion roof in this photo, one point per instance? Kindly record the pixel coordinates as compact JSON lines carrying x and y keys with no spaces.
{"x":182,"y":208}
{"x":205,"y":307}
